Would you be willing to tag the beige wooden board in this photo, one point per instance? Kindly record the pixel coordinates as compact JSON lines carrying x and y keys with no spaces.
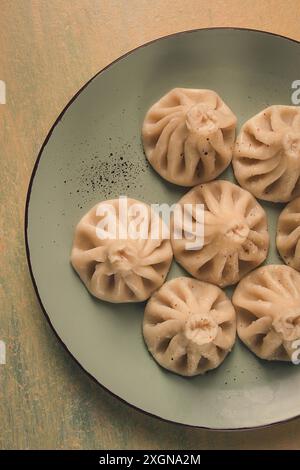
{"x":48,"y":50}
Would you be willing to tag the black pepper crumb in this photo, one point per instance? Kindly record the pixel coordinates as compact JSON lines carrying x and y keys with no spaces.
{"x":110,"y":174}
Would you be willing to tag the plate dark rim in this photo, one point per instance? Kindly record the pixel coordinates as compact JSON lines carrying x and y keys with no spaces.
{"x":27,"y":248}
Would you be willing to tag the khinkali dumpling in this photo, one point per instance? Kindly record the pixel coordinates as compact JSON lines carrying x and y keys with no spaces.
{"x":188,"y":136}
{"x":266,"y":158}
{"x":288,"y":234}
{"x":235,"y":238}
{"x":267,"y":303}
{"x":189,"y":326}
{"x":121,"y":268}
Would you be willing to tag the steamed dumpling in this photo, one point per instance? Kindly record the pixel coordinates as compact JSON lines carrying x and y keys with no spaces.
{"x":267,"y":303}
{"x":189,"y":326}
{"x":188,"y":136}
{"x":266,"y":158}
{"x":235,"y":238}
{"x":288,"y":234}
{"x":120,"y":269}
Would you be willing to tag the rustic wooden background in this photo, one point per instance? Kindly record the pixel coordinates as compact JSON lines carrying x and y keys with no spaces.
{"x":48,"y":50}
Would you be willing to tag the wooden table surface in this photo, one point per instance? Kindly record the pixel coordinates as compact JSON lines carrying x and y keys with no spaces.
{"x":48,"y":50}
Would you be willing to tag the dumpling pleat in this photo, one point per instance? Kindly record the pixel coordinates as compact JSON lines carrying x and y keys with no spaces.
{"x":180,"y":329}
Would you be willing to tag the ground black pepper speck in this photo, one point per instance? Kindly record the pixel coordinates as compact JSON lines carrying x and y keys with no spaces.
{"x":111,"y":174}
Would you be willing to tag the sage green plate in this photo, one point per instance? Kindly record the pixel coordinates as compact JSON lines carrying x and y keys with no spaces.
{"x":94,"y":152}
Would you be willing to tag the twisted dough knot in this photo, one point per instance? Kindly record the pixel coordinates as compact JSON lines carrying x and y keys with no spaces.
{"x":291,"y":144}
{"x":201,"y":329}
{"x":236,"y":233}
{"x":202,"y":119}
{"x":121,"y":257}
{"x":288,"y":324}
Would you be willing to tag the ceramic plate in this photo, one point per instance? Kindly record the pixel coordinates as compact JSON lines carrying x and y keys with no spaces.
{"x":94,"y":152}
